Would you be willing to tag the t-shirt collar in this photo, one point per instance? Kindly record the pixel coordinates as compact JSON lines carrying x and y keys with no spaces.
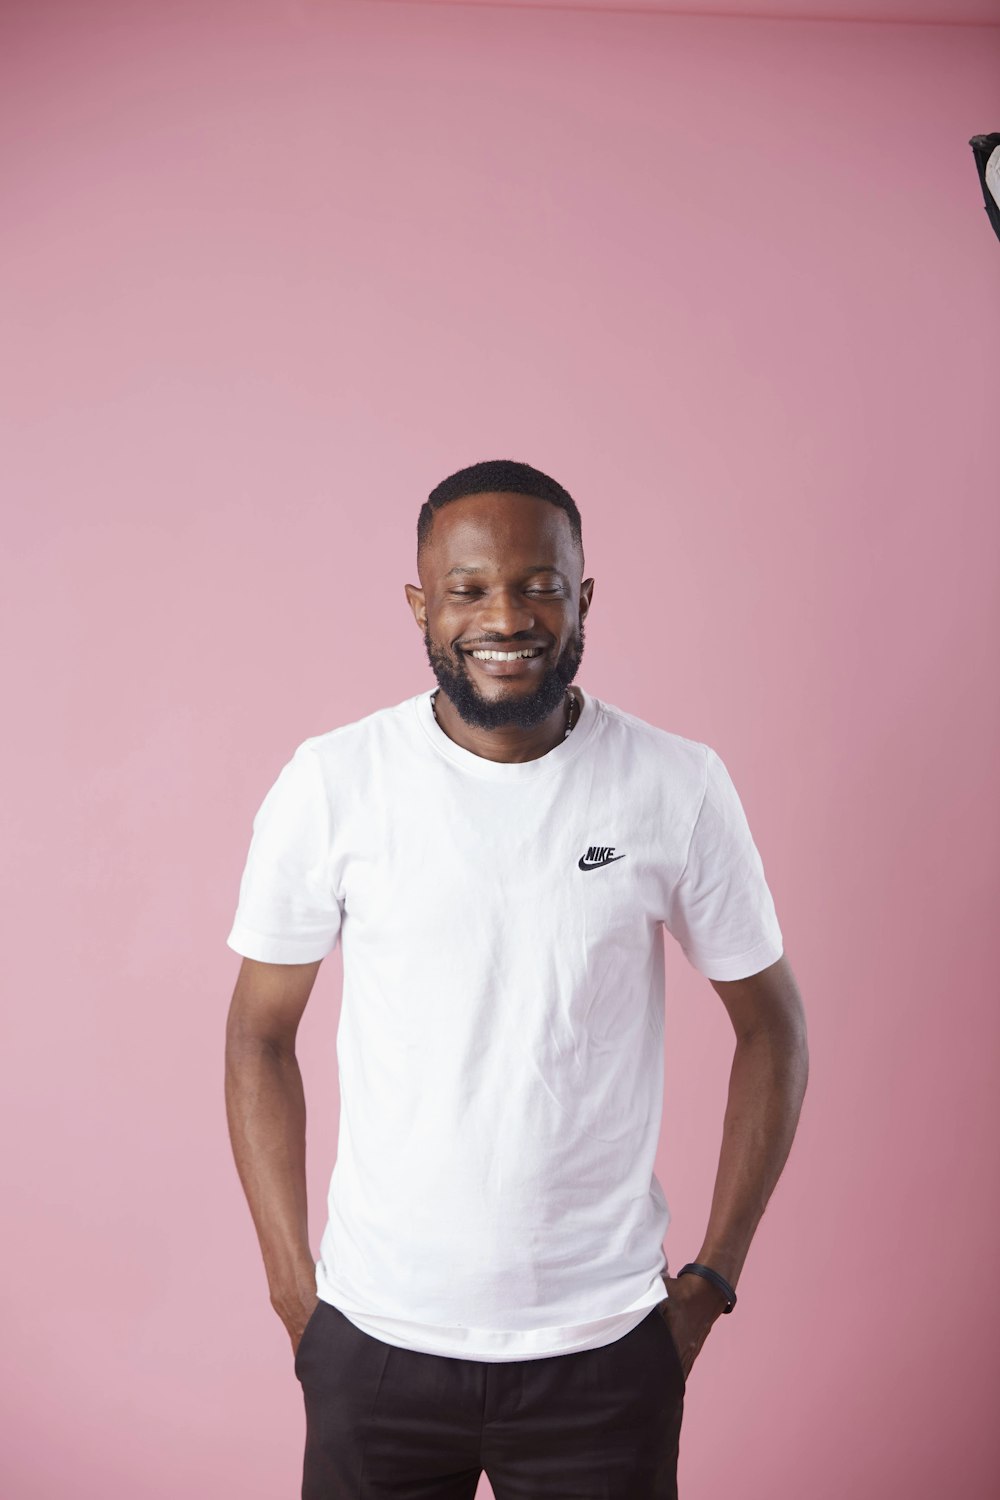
{"x":501,"y":770}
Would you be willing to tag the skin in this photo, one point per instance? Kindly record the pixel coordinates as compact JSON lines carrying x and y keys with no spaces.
{"x":767,"y":1082}
{"x":504,"y":601}
{"x":520,"y":581}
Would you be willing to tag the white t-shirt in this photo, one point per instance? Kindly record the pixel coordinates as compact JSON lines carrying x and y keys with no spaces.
{"x":500,"y":1044}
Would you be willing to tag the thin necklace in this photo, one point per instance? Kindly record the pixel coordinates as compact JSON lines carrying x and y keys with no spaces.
{"x":570,"y":721}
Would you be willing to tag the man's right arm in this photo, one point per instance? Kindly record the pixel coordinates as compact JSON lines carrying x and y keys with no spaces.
{"x":265,"y":1107}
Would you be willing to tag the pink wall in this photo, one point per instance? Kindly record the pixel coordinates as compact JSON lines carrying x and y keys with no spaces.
{"x":926,"y":12}
{"x":273,"y":270}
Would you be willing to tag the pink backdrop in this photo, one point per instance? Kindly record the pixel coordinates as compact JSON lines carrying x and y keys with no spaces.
{"x":273,"y":270}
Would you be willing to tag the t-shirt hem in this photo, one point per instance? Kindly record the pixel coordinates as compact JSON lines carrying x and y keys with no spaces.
{"x":486,"y":1346}
{"x":742,"y":965}
{"x":272,"y":950}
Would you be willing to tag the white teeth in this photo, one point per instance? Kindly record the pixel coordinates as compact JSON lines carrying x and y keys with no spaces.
{"x":504,"y":655}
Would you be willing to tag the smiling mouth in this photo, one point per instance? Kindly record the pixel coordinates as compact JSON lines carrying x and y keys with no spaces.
{"x":488,"y":654}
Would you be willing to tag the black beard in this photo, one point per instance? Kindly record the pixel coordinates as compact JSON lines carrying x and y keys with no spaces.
{"x":520,"y":710}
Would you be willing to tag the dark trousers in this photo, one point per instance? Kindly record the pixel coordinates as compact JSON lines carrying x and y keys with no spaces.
{"x":598,"y":1424}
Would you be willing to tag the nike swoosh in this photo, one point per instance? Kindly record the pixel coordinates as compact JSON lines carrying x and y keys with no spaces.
{"x":598,"y":864}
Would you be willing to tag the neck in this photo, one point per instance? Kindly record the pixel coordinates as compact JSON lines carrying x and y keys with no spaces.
{"x":510,"y":743}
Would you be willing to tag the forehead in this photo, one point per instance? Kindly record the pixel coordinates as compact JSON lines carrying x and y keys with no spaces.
{"x":502,"y":529}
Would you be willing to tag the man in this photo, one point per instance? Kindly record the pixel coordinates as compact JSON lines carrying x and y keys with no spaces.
{"x":500,"y":859}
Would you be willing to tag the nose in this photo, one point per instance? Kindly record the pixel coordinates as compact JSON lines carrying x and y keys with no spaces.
{"x":505,"y":613}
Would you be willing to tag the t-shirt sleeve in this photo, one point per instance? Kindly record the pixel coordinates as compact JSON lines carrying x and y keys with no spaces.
{"x":721,"y":911}
{"x":288,"y":911}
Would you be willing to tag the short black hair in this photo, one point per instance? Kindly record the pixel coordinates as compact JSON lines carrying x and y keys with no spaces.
{"x":497,"y":475}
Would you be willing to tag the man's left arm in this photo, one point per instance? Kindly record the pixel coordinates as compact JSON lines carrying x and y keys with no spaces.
{"x":766,"y":1087}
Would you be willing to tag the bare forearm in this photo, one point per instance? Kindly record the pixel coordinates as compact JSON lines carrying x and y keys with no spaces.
{"x":766,"y":1087}
{"x":266,"y":1110}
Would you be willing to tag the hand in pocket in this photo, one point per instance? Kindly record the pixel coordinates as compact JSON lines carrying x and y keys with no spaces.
{"x":689,"y":1310}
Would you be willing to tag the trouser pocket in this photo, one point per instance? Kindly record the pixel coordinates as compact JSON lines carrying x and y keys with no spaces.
{"x":307,"y":1333}
{"x":672,"y":1343}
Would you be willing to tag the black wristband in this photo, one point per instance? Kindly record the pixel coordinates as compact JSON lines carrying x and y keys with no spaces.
{"x":715,"y":1279}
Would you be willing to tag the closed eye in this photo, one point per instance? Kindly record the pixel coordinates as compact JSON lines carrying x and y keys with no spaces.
{"x":468,"y":593}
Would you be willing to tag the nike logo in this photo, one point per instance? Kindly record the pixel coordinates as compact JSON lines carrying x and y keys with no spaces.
{"x":597,"y":856}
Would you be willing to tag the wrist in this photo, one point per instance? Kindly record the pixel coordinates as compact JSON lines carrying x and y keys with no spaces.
{"x":721,"y":1291}
{"x":725,"y":1262}
{"x":285,"y":1282}
{"x":293,"y":1302}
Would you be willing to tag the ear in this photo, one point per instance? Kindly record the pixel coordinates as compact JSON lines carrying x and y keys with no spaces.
{"x":415,"y":599}
{"x":586,"y":593}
